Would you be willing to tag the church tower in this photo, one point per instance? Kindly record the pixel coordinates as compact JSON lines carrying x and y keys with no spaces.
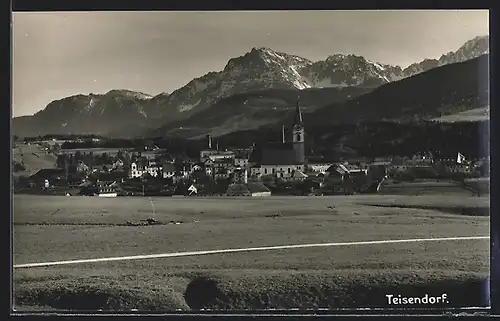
{"x":298,"y":135}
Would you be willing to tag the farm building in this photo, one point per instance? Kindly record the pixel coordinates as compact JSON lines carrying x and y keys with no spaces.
{"x":249,"y":189}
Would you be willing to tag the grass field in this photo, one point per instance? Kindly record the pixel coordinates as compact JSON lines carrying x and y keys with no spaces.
{"x":476,"y":114}
{"x":34,"y":158}
{"x":429,"y":187}
{"x":52,"y":228}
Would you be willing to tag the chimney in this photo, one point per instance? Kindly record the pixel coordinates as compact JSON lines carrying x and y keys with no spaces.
{"x":283,"y":134}
{"x":209,"y":140}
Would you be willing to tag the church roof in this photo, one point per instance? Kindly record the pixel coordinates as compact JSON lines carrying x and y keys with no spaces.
{"x":274,"y":154}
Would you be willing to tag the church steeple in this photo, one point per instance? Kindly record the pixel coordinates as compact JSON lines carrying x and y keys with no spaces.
{"x":298,"y":135}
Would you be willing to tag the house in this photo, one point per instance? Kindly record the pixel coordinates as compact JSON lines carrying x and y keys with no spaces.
{"x":197,"y":167}
{"x":222,"y":168}
{"x":336,"y":173}
{"x":298,"y":175}
{"x":318,"y":167}
{"x":117,"y":164}
{"x":240,"y":162}
{"x":240,"y":175}
{"x":208,"y":164}
{"x":284,"y":158}
{"x":452,"y":166}
{"x":100,"y":189}
{"x":182,"y":171}
{"x":139,"y":169}
{"x":81,"y":167}
{"x":356,"y":168}
{"x":153,"y":169}
{"x":421,"y":160}
{"x":255,"y":189}
{"x":168,"y":170}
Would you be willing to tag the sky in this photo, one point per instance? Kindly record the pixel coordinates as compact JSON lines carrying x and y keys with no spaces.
{"x":59,"y":54}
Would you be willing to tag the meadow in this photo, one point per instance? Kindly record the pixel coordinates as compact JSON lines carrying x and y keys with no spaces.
{"x":95,"y":151}
{"x":54,"y":228}
{"x":34,"y":158}
{"x":476,"y":114}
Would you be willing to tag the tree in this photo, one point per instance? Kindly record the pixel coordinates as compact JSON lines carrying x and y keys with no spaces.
{"x":78,"y":155}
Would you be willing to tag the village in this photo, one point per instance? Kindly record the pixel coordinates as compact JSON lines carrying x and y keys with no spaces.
{"x":279,"y":168}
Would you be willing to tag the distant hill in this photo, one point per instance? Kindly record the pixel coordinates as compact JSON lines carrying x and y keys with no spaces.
{"x":115,"y":111}
{"x":255,"y":109}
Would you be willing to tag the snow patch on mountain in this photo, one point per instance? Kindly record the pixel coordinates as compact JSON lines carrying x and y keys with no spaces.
{"x":143,"y":113}
{"x":183,"y":108}
{"x":90,"y":105}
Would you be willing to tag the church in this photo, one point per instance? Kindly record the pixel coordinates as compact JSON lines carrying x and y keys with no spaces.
{"x":284,"y":160}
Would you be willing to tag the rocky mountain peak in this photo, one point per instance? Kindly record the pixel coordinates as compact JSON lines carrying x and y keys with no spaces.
{"x":261,"y":68}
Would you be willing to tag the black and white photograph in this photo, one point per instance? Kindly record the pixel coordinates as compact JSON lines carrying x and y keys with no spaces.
{"x":187,"y":161}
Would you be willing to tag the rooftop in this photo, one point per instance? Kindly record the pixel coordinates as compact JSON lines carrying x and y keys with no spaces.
{"x":274,"y":154}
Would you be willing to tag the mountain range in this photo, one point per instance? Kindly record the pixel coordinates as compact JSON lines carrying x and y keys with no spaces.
{"x":252,"y":90}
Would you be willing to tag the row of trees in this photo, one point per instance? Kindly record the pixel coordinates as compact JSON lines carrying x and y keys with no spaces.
{"x":374,"y":139}
{"x":175,"y":146}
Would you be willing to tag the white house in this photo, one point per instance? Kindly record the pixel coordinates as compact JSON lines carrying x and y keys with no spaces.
{"x":137,"y":170}
{"x":196,"y":167}
{"x":240,"y":162}
{"x":215,"y":154}
{"x":153,"y":169}
{"x":208,"y":166}
{"x":318,"y":167}
{"x":281,"y":171}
